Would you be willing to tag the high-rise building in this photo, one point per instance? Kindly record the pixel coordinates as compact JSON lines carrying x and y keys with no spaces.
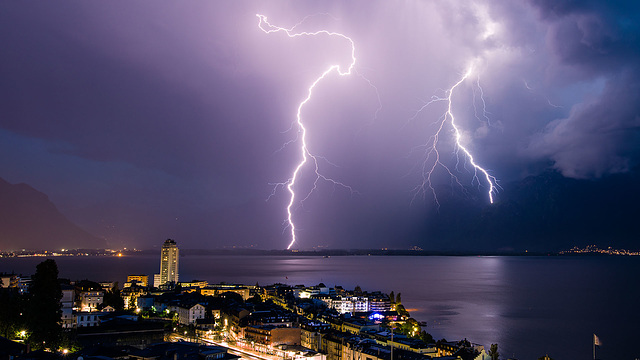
{"x":168,"y":265}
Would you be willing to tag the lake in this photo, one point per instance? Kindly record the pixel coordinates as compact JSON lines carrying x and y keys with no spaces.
{"x":529,"y":306}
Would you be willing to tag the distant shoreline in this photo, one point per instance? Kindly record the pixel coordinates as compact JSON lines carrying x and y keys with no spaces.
{"x":308,"y":253}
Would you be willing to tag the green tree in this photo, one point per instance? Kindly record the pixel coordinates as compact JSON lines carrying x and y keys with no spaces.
{"x":392,"y":298}
{"x":410,"y":327}
{"x":44,"y":308}
{"x":493,"y":352}
{"x":402,"y":311}
{"x":399,"y":298}
{"x":426,"y":337}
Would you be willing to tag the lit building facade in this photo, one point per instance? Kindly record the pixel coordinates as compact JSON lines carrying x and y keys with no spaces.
{"x":168,"y":264}
{"x":142,"y":280}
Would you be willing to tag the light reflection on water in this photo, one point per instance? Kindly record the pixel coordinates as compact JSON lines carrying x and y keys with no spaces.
{"x":530,"y":306}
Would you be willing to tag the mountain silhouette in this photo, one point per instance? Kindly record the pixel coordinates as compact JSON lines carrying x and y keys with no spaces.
{"x":29,"y":220}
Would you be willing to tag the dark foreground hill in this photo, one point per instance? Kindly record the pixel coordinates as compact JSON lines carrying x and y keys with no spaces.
{"x":29,"y":220}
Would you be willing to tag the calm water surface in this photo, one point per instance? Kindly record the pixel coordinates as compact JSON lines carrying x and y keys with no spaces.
{"x":530,"y":306}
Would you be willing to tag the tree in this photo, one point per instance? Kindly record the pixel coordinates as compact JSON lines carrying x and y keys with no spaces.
{"x":44,"y":307}
{"x":410,"y":327}
{"x":255,"y":299}
{"x":392,"y":298}
{"x":402,"y":311}
{"x":114,"y":298}
{"x":12,"y":306}
{"x":493,"y":352}
{"x":88,"y":285}
{"x":399,"y":298}
{"x":426,"y":337}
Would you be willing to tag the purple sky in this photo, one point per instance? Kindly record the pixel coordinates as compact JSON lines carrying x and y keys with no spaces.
{"x":154,"y":119}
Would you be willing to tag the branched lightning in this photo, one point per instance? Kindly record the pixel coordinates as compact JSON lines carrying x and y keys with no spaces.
{"x":526,"y":85}
{"x":307,"y":155}
{"x":432,"y":154}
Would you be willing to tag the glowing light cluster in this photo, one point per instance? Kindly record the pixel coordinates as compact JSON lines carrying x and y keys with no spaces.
{"x":432,"y":155}
{"x":307,"y":155}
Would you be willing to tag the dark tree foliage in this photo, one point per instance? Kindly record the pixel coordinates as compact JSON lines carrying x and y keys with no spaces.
{"x":44,"y":308}
{"x":11,"y":309}
{"x":402,"y":311}
{"x":114,"y":298}
{"x":426,"y":337}
{"x":493,"y":352}
{"x":88,"y":285}
{"x":255,"y":299}
{"x":231,"y":297}
{"x":399,"y":298}
{"x":392,"y":298}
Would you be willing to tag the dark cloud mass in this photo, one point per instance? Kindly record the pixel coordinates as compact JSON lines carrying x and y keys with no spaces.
{"x":600,"y":43}
{"x":148,"y":120}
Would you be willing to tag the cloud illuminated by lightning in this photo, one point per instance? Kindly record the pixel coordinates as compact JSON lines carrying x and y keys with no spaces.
{"x":307,"y":155}
{"x":432,"y":159}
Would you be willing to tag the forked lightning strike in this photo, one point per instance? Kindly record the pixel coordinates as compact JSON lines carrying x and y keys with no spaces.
{"x":307,"y":156}
{"x":432,"y":157}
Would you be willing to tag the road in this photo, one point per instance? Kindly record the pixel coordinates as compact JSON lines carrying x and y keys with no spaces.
{"x":243,"y":353}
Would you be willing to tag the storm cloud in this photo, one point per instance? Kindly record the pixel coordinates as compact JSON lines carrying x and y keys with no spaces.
{"x":149,"y":120}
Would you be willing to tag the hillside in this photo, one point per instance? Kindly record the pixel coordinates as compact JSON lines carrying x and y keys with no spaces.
{"x":29,"y":220}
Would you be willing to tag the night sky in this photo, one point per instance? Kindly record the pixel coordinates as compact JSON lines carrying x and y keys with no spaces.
{"x":150,"y":120}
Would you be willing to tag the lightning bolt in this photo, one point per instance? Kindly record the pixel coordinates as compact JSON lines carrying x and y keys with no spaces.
{"x":306,"y":154}
{"x":432,"y":159}
{"x":526,"y":85}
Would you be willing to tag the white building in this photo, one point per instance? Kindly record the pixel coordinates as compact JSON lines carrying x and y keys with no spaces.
{"x":168,"y":264}
{"x":189,"y":315}
{"x":348,"y":304}
{"x":67,"y":302}
{"x":88,"y":319}
{"x":90,"y":300}
{"x":308,"y":292}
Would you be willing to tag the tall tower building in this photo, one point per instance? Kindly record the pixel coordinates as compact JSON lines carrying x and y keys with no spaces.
{"x":168,"y":264}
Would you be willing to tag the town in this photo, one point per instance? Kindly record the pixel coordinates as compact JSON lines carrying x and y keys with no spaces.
{"x":173,"y":319}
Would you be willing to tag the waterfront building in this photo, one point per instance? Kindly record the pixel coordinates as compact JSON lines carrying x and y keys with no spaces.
{"x":379,"y":302}
{"x":168,"y":265}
